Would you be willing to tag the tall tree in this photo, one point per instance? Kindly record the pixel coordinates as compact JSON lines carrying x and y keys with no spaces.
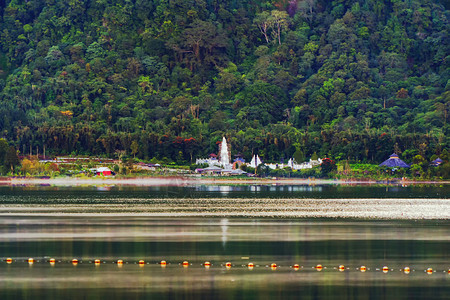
{"x":280,"y":20}
{"x":264,"y":23}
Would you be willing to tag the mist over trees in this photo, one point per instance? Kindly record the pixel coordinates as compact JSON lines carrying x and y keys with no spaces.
{"x":353,"y":80}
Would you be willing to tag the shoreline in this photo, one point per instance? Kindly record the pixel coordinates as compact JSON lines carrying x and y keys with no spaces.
{"x":190,"y":181}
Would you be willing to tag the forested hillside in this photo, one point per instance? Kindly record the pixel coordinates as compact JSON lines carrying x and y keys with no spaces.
{"x":349,"y":79}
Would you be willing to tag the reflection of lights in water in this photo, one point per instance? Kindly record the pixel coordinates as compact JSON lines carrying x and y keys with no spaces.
{"x":296,"y":188}
{"x":255,"y":188}
{"x":104,"y":188}
{"x":224,"y":226}
{"x":224,"y":189}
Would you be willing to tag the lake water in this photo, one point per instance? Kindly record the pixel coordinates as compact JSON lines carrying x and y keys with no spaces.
{"x":353,"y":226}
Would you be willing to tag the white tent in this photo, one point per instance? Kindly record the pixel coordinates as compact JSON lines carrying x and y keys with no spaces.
{"x":256,"y":161}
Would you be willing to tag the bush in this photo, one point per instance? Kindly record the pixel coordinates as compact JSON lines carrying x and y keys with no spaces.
{"x":327,"y":166}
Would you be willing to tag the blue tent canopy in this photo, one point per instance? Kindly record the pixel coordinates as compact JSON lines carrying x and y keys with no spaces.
{"x":393,"y":162}
{"x":437,"y":162}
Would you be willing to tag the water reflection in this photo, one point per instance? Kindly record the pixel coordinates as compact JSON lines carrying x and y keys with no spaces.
{"x":224,"y":227}
{"x":35,"y":193}
{"x":101,"y":227}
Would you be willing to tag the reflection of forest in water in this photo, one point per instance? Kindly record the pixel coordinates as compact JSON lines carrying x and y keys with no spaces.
{"x":203,"y":223}
{"x":374,"y":244}
{"x":104,"y":193}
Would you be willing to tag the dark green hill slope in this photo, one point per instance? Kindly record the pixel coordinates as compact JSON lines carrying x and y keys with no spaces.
{"x":348,"y":79}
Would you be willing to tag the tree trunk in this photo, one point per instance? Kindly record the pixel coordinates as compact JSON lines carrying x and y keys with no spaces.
{"x":279,"y":34}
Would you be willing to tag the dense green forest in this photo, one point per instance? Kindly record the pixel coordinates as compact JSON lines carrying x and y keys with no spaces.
{"x":348,"y":79}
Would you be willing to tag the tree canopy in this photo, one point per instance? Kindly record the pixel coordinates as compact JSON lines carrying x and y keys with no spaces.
{"x":348,"y":79}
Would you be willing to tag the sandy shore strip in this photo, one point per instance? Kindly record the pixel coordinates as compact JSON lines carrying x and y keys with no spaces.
{"x":382,"y":209}
{"x":188,"y":181}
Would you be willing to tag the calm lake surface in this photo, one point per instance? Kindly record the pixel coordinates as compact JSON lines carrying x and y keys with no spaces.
{"x":353,"y":226}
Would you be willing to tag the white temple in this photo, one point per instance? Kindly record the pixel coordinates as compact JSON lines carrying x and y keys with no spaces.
{"x":223,"y":158}
{"x":224,"y":155}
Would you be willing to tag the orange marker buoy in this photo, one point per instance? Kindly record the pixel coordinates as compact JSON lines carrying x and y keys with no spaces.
{"x":250,"y":266}
{"x":341,"y":268}
{"x":52,"y":261}
{"x":141,"y":263}
{"x":9,"y":260}
{"x":120,"y":263}
{"x":31,"y":261}
{"x":429,"y":271}
{"x":448,"y":271}
{"x":273,"y":266}
{"x":296,"y":267}
{"x":363,"y":269}
{"x":228,"y":265}
{"x":74,"y":261}
{"x":207,"y":264}
{"x":185,"y":264}
{"x":163,"y":263}
{"x":406,"y":270}
{"x":319,"y":268}
{"x":385,"y":269}
{"x":97,"y":262}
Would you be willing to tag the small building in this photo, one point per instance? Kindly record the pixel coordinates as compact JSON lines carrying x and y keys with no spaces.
{"x":394,"y":162}
{"x":104,"y":171}
{"x":238,"y":172}
{"x":212,"y":170}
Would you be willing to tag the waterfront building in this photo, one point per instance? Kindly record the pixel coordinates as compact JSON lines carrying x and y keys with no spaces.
{"x":394,"y":162}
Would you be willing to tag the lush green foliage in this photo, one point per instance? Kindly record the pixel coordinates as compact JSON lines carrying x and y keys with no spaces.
{"x":347,"y":79}
{"x":9,"y":159}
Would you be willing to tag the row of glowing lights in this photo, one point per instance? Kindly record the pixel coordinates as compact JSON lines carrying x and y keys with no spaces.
{"x":228,"y":265}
